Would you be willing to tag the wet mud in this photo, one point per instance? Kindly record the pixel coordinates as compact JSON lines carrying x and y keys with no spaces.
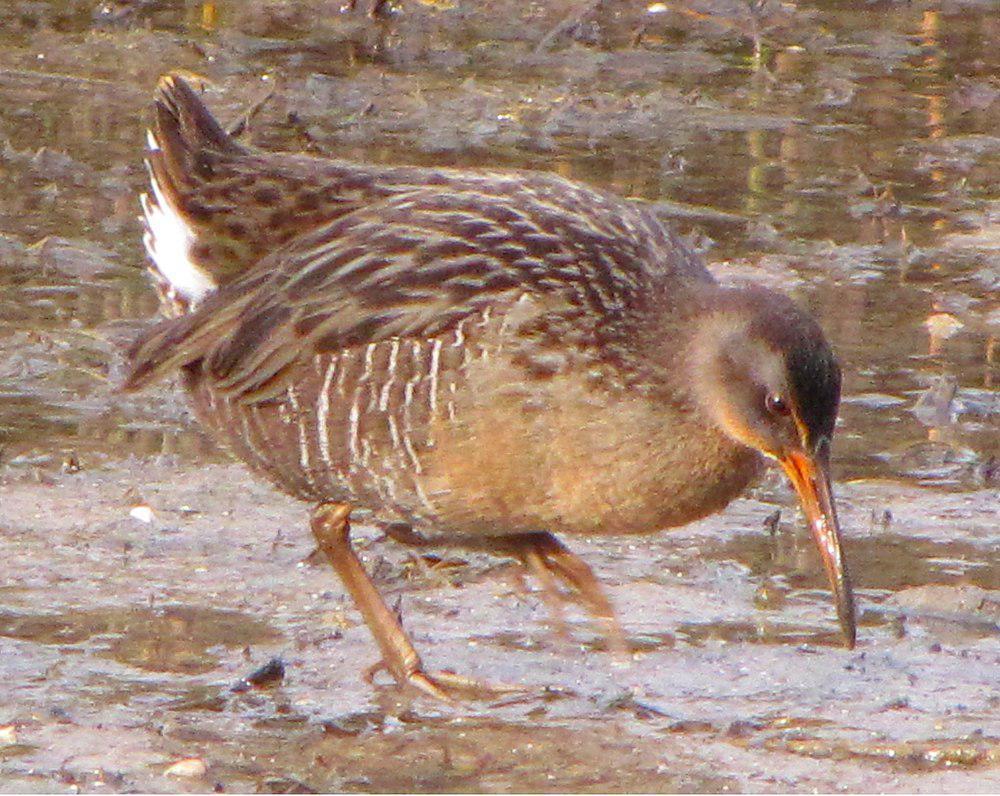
{"x":163,"y":624}
{"x":127,"y":645}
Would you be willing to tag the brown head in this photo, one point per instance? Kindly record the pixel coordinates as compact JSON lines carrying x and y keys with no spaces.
{"x":762,"y":370}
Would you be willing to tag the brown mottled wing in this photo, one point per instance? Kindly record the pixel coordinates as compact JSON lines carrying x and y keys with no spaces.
{"x":415,"y":265}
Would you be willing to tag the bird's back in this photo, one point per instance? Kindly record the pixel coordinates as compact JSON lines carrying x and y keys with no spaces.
{"x":216,"y":208}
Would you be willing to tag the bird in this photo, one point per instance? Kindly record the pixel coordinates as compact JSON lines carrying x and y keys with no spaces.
{"x":484,"y":359}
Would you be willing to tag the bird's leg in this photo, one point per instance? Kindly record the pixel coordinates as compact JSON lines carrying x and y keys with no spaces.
{"x":547,"y":558}
{"x":330,"y":524}
{"x":575,"y":572}
{"x":535,"y":563}
{"x":531,"y":559}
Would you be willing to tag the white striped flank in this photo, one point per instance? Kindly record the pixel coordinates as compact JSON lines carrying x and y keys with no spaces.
{"x":484,"y":322}
{"x":342,"y":377}
{"x":305,"y":462}
{"x":394,"y":433}
{"x":368,"y":444}
{"x":323,"y":413}
{"x":354,"y":416}
{"x":435,"y":366}
{"x":411,"y":383}
{"x":383,"y":401}
{"x":408,"y":392}
{"x":412,"y":454}
{"x":369,"y":363}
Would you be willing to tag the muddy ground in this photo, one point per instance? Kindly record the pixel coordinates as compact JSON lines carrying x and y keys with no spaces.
{"x":131,"y":661}
{"x":846,"y":154}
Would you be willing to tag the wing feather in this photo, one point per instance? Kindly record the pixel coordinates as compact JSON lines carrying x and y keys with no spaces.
{"x":351,"y":281}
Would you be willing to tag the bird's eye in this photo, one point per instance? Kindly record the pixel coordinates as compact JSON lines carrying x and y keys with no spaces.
{"x":777,"y":405}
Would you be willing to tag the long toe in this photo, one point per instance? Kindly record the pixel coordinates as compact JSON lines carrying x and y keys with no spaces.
{"x":451,"y":687}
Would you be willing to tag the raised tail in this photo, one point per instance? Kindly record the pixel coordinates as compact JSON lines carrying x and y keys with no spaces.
{"x":186,"y":144}
{"x":184,"y":127}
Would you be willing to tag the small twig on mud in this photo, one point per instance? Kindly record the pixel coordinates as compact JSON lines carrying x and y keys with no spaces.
{"x":241,"y":124}
{"x":568,"y":22}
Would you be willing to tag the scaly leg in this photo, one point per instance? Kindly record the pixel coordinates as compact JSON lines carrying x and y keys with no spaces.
{"x":330,"y":524}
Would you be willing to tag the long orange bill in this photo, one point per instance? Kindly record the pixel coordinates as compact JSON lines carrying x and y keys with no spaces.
{"x":812,"y":483}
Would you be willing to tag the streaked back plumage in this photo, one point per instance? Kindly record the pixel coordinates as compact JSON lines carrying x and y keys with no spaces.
{"x":396,"y":251}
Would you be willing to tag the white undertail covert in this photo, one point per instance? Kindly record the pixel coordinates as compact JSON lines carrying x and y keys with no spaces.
{"x":169,"y":240}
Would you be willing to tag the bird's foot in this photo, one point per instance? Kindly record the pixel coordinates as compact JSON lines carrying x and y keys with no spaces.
{"x":447,"y":686}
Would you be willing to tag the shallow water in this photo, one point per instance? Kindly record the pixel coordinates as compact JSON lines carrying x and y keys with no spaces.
{"x":850,"y":157}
